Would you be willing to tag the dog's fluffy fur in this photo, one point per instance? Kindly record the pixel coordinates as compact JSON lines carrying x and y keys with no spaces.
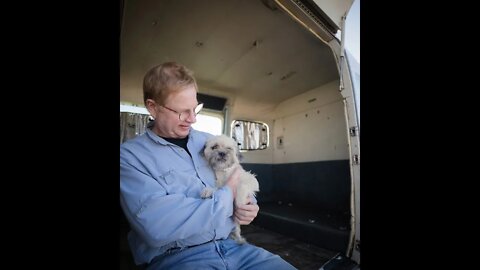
{"x":223,"y":155}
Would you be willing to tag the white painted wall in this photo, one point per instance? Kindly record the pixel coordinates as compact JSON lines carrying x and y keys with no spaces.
{"x":311,"y":131}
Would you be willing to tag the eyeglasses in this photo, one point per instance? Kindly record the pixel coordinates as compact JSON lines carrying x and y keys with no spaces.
{"x":182,"y":116}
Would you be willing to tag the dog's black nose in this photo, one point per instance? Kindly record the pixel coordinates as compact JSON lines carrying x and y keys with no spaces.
{"x":221,"y":154}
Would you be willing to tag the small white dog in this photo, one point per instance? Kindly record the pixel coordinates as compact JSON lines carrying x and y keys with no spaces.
{"x":222,"y":154}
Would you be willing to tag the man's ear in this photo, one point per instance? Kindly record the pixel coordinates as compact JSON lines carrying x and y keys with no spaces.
{"x":150,"y":105}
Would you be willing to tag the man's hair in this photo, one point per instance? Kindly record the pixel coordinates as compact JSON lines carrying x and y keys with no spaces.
{"x":162,"y":80}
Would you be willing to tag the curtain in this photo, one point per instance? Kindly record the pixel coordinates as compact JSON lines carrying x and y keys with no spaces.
{"x":132,"y":125}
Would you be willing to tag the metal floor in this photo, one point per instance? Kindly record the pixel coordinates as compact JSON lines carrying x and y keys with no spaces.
{"x":301,"y":255}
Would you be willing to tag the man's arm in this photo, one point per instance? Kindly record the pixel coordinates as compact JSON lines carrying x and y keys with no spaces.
{"x":161,"y":218}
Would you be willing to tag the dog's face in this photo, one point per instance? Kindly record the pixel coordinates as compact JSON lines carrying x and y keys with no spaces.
{"x":221,"y":152}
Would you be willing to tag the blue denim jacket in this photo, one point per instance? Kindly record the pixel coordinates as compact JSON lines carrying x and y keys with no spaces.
{"x":160,"y":186}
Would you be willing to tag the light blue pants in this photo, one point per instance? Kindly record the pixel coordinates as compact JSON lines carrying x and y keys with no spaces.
{"x":220,"y":254}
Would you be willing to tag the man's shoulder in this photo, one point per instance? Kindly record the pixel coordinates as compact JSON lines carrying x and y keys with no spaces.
{"x":133,"y":143}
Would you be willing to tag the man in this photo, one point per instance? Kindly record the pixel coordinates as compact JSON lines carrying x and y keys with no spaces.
{"x":162,"y":174}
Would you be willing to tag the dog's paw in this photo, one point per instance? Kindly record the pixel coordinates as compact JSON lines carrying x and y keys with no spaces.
{"x":207,"y":193}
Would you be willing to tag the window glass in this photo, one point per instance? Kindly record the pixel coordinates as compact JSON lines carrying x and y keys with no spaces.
{"x":250,"y":135}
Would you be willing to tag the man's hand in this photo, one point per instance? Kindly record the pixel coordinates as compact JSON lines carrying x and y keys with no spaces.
{"x":244,"y":214}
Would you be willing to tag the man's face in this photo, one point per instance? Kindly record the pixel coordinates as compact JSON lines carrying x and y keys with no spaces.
{"x":167,"y":121}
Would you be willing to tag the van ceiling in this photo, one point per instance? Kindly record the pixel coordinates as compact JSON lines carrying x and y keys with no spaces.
{"x":249,"y":51}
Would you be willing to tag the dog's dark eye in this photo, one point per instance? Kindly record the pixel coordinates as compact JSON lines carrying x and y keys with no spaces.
{"x":229,"y":148}
{"x":214,"y":147}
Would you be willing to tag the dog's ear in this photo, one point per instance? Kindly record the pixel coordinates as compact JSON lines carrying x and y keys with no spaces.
{"x":239,"y":155}
{"x":202,"y":151}
{"x":237,"y":149}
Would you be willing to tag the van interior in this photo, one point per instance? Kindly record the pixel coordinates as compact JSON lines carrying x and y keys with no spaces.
{"x":274,"y":68}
